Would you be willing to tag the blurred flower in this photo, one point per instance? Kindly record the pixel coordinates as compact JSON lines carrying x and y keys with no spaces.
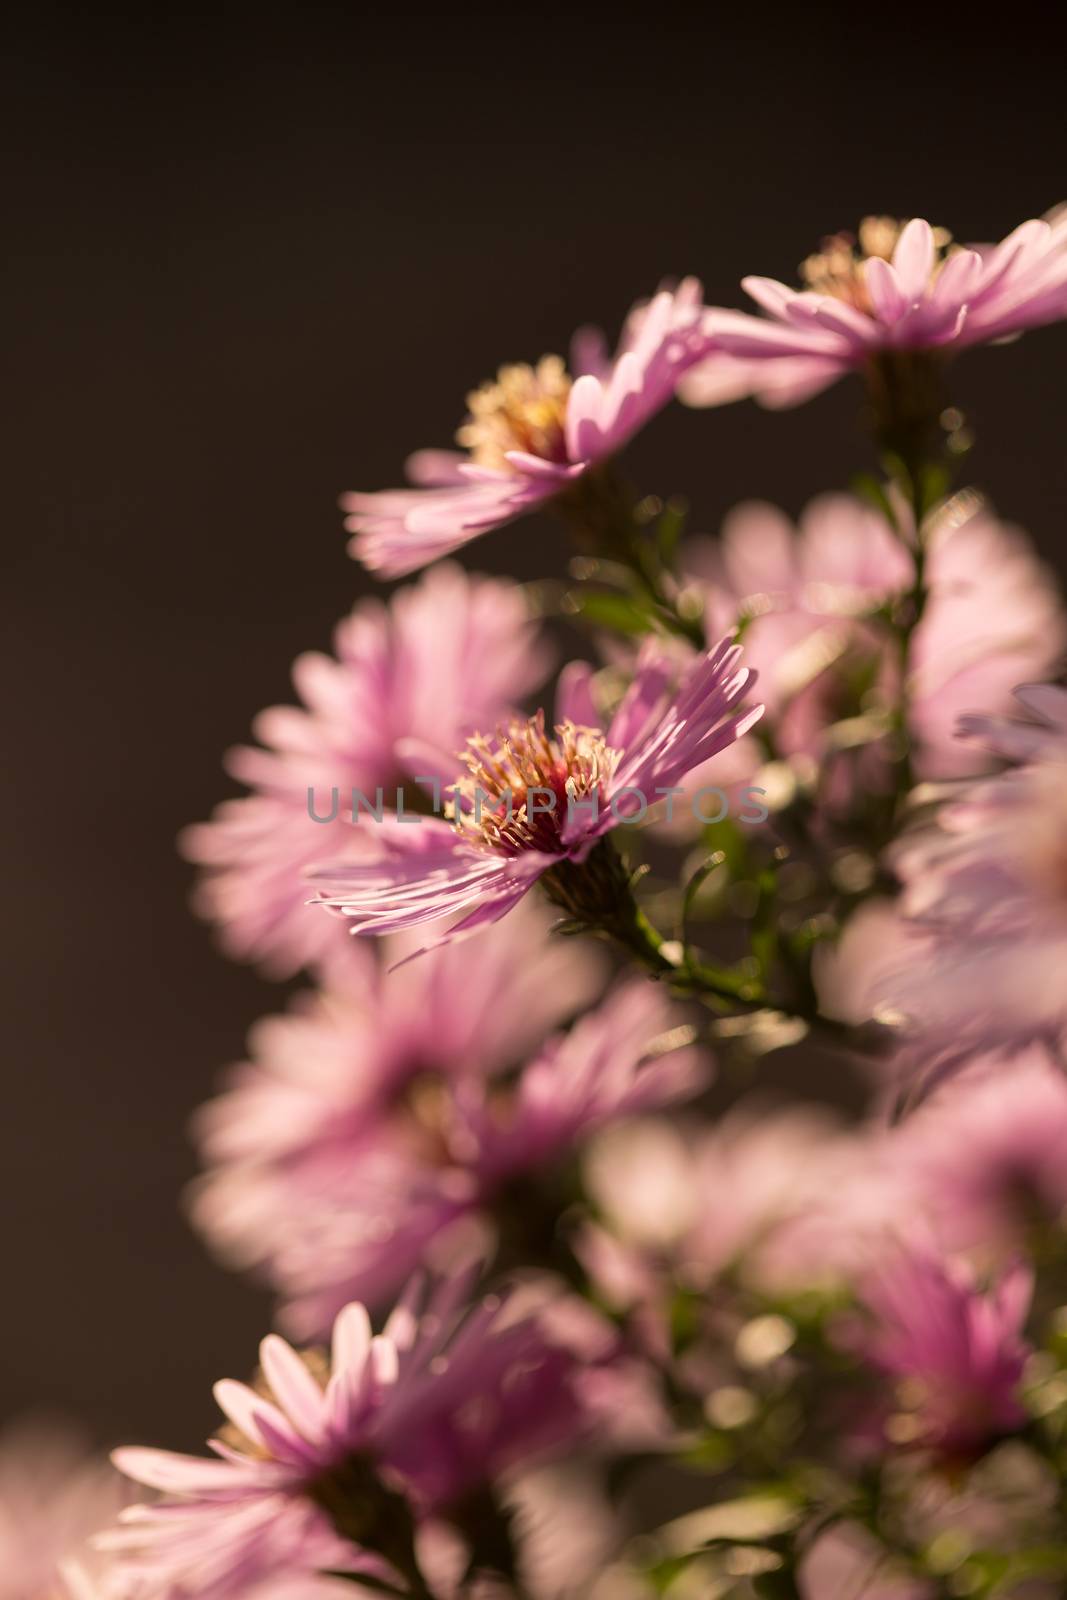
{"x":781,"y":1196}
{"x":333,"y":1197}
{"x":956,"y":1352}
{"x":811,"y":603}
{"x":327,"y":1464}
{"x":529,"y":435}
{"x":53,"y":1499}
{"x":986,"y":889}
{"x":989,"y":1154}
{"x":851,"y":974}
{"x":535,"y":805}
{"x":408,"y":683}
{"x":896,"y":288}
{"x":338,"y":1065}
{"x":846,"y":1563}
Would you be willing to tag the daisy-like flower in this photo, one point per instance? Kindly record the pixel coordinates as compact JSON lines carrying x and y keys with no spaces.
{"x":893,"y":289}
{"x":535,"y":804}
{"x":408,"y":682}
{"x":988,"y":1154}
{"x":332,"y":1199}
{"x":955,"y":1351}
{"x":530,"y":435}
{"x":53,"y":1499}
{"x":810,"y":596}
{"x":332,"y":1459}
{"x":846,"y":1563}
{"x":985,"y":889}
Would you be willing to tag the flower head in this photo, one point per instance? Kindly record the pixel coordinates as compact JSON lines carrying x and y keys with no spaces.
{"x":408,"y":682}
{"x":344,"y":1096}
{"x":530,"y":434}
{"x":813,"y":602}
{"x":985,"y":888}
{"x":957,"y":1352}
{"x":53,"y":1499}
{"x":535,"y":803}
{"x":335,"y":1188}
{"x":894,"y":288}
{"x":328,"y":1462}
{"x":989,"y":1154}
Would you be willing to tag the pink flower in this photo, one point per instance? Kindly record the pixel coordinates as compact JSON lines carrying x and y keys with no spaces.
{"x":337,"y":1064}
{"x":986,"y":889}
{"x":409,"y":681}
{"x":342,"y":1098}
{"x":53,"y":1499}
{"x":898,"y":288}
{"x":334,"y":1194}
{"x":809,"y":599}
{"x":535,"y":803}
{"x":768,"y":1194}
{"x":989,"y":1153}
{"x":846,"y":1563}
{"x":529,"y":436}
{"x":328,"y":1463}
{"x":956,"y":1352}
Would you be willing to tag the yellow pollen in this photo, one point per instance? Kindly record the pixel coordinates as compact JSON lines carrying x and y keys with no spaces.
{"x":838,"y":267}
{"x":524,"y":409}
{"x":494,"y":804}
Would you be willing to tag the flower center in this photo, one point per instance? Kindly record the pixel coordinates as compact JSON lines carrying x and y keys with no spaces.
{"x":524,"y":409}
{"x":523,"y":782}
{"x":838,"y":267}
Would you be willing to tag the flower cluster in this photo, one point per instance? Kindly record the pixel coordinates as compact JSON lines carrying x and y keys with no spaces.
{"x":577,"y":1304}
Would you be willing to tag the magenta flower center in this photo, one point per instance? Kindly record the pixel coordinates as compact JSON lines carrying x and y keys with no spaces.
{"x":523,"y":783}
{"x":838,"y":267}
{"x":524,"y":409}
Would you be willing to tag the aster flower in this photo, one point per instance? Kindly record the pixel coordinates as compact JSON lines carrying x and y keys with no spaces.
{"x":337,"y":1064}
{"x":530,"y":435}
{"x":810,"y":596}
{"x":846,"y":1563}
{"x":329,"y":1201}
{"x":895,"y":289}
{"x":984,"y":889}
{"x":330,"y":1461}
{"x":535,"y":804}
{"x":955,"y":1351}
{"x":988,"y":1154}
{"x":408,"y":682}
{"x":53,"y":1498}
{"x":690,"y":1205}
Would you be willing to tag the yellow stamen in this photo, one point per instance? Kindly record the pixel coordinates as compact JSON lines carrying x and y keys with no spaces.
{"x":524,"y":409}
{"x":838,"y":268}
{"x":494,"y":803}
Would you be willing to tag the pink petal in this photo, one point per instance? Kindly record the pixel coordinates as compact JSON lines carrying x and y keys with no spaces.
{"x":913,"y":259}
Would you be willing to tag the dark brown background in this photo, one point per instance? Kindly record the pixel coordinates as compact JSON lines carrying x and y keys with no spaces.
{"x":252,"y":262}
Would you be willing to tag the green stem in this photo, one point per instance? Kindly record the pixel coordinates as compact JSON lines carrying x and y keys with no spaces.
{"x":602,"y":511}
{"x":908,"y":398}
{"x":598,"y":897}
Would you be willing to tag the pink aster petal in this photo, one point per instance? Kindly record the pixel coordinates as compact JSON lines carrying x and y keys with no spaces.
{"x":297,"y":1392}
{"x":405,"y":686}
{"x":805,"y":340}
{"x":888,"y":298}
{"x":397,"y":531}
{"x":913,"y":259}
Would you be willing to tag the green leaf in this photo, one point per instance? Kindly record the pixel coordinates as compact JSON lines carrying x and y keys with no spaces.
{"x":750,"y":1520}
{"x":615,"y":611}
{"x":693,"y":888}
{"x":669,"y":530}
{"x":873,"y":490}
